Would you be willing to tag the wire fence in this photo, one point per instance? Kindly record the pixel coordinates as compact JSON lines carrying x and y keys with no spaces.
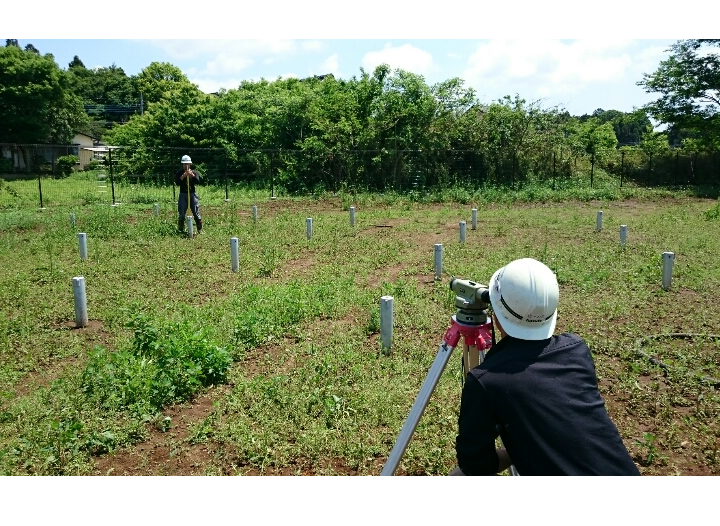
{"x":49,"y":175}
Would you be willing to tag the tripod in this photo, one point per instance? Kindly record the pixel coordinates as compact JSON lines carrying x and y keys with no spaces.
{"x":470,"y":323}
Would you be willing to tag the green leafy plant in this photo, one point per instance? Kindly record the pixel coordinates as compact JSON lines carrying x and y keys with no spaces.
{"x":648,"y":445}
{"x":65,"y":164}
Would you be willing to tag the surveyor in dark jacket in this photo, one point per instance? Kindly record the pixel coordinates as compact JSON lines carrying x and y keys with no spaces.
{"x":182,"y":177}
{"x":535,"y":390}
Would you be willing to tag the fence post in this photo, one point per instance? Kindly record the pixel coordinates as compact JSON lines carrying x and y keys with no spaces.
{"x":227,"y":199}
{"x":272,"y":176}
{"x":112,"y":181}
{"x":40,"y":191}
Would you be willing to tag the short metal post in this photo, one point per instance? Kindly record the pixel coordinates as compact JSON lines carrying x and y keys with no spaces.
{"x":156,"y":210}
{"x":255,"y":213}
{"x":81,"y":315}
{"x":386,"y":321}
{"x":352,"y":216}
{"x":308,"y":227}
{"x":189,"y":221}
{"x":234,"y":254}
{"x":474,"y":218}
{"x":438,"y":260}
{"x":598,"y":223}
{"x":40,"y":192}
{"x":463,"y":230}
{"x":112,"y":179}
{"x":82,"y":241}
{"x":668,"y":261}
{"x":623,"y":234}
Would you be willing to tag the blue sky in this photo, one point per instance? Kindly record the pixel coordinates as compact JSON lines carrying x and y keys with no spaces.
{"x":520,"y":50}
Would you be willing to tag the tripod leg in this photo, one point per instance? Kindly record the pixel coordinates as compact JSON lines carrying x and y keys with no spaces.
{"x":428,"y":386}
{"x":471,"y":357}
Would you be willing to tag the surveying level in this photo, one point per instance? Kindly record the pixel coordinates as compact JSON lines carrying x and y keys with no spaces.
{"x":470,"y":322}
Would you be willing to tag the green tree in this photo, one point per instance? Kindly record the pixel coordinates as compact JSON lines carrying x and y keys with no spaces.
{"x":36,"y":103}
{"x":688,"y":82}
{"x":516,"y":137}
{"x":592,"y":138}
{"x":629,"y":127}
{"x":108,"y":94}
{"x":157,"y":79}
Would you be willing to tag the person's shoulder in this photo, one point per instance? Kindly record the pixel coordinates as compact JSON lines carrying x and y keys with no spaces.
{"x":565,"y":340}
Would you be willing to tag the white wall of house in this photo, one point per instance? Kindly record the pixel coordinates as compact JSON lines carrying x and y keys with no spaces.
{"x":84,"y":141}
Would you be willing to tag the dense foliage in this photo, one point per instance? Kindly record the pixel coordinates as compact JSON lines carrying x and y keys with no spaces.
{"x":36,"y":102}
{"x":688,"y":82}
{"x":385,"y":129}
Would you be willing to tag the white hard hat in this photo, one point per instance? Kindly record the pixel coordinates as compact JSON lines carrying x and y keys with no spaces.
{"x":185,"y":159}
{"x":524,"y":295}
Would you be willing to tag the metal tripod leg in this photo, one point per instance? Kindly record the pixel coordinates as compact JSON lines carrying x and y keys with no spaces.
{"x":472,"y":356}
{"x":428,"y":386}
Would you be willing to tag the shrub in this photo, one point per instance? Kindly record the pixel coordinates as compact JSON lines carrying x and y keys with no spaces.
{"x":65,"y":164}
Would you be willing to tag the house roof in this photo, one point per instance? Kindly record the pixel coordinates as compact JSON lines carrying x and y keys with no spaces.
{"x":86,"y":135}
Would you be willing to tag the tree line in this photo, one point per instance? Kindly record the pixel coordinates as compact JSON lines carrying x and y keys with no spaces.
{"x":327,"y":119}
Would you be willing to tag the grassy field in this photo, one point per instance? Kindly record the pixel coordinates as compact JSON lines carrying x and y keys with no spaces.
{"x":188,"y":368}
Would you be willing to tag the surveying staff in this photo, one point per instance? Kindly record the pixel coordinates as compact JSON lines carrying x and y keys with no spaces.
{"x":537,"y":391}
{"x":182,"y":177}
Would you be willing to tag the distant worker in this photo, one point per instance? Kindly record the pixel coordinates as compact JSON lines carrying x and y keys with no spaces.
{"x":537,"y":391}
{"x":186,"y":179}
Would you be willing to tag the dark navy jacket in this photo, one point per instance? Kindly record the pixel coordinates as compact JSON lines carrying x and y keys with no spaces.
{"x":542,"y":398}
{"x":195,"y":179}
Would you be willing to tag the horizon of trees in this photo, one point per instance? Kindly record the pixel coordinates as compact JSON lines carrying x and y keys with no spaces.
{"x":380,"y":111}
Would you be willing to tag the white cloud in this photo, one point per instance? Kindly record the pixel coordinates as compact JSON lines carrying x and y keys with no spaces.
{"x":312,"y":45}
{"x":229,"y":57}
{"x":556,"y":69}
{"x":407,"y":57}
{"x":330,"y":65}
{"x":211,"y":85}
{"x":224,"y":64}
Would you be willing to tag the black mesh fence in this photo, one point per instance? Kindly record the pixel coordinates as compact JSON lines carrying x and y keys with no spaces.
{"x":72,"y":175}
{"x":668,"y":168}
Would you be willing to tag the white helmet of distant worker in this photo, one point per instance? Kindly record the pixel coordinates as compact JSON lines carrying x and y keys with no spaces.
{"x":186,"y":159}
{"x":524,"y":295}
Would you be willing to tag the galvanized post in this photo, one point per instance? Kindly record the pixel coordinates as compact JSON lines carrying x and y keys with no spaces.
{"x":386,"y":322}
{"x":81,"y":315}
{"x":438,"y":260}
{"x":234,"y":254}
{"x":668,"y":261}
